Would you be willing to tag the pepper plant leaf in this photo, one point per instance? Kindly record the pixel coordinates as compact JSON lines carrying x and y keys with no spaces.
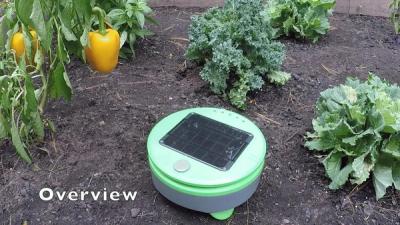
{"x":26,"y":86}
{"x":37,"y":21}
{"x":23,"y":9}
{"x":129,"y":18}
{"x":19,"y":146}
{"x":59,"y":84}
{"x":31,"y":108}
{"x":83,"y":8}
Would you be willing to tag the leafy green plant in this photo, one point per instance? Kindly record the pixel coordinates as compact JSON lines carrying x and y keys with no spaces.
{"x":20,"y":118}
{"x":358,"y":126}
{"x":305,"y":19}
{"x":395,"y":15}
{"x":235,"y":44}
{"x":129,"y":18}
{"x":58,"y":24}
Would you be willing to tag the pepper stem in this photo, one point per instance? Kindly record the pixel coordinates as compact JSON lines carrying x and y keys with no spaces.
{"x":101,"y":15}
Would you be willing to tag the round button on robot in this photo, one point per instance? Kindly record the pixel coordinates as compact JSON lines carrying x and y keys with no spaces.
{"x":182,"y":166}
{"x":206,"y":159}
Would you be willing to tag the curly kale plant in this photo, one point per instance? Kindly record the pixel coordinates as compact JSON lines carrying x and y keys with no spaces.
{"x":306,"y":19}
{"x":358,"y":126}
{"x":235,"y":44}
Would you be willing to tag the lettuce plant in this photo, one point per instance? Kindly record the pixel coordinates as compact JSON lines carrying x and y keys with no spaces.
{"x":306,"y":19}
{"x":236,"y":46}
{"x":358,"y":126}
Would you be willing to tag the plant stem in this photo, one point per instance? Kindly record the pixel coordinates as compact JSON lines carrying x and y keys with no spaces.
{"x":101,"y":15}
{"x":43,"y":96}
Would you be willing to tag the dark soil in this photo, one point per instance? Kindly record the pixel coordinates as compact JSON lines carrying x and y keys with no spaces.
{"x":101,"y":135}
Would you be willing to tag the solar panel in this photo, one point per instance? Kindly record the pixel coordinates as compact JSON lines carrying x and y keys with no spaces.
{"x":207,"y":140}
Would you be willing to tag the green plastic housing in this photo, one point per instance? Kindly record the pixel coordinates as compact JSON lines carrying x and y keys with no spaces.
{"x":202,"y":179}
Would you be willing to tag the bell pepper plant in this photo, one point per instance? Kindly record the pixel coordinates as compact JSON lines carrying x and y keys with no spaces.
{"x":129,"y":18}
{"x":45,"y":33}
{"x":103,"y":49}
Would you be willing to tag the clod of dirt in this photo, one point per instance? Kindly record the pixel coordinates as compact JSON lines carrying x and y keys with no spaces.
{"x":135,"y":212}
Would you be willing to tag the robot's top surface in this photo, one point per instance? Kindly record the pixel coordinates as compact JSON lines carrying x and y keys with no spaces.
{"x":206,"y":147}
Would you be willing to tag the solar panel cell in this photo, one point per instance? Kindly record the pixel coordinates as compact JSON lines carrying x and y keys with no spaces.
{"x":207,"y":140}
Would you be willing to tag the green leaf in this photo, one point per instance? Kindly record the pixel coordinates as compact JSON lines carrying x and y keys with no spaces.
{"x":28,"y":44}
{"x":341,"y":178}
{"x":59,"y":84}
{"x":129,"y":13}
{"x":376,"y":120}
{"x":83,"y":9}
{"x":238,"y":93}
{"x":4,"y":127}
{"x":140,"y":18}
{"x":333,"y":164}
{"x":396,"y":175}
{"x":361,"y":168}
{"x":320,"y":144}
{"x":131,"y":41}
{"x":143,"y":32}
{"x":3,"y":33}
{"x":84,"y":38}
{"x":66,"y":15}
{"x":357,"y":114}
{"x":39,"y":59}
{"x":24,"y":10}
{"x":392,"y":146}
{"x":61,"y":50}
{"x":19,"y":146}
{"x":146,"y":9}
{"x":116,"y":14}
{"x":31,"y":108}
{"x":382,"y":179}
{"x":37,"y":21}
{"x":342,"y":95}
{"x":341,"y":130}
{"x":123,"y":38}
{"x":390,"y":120}
{"x":151,"y":20}
{"x":353,"y":140}
{"x":279,"y":77}
{"x":37,"y":125}
{"x":68,"y":34}
{"x":29,"y":96}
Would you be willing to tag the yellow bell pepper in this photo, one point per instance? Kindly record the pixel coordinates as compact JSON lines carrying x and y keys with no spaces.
{"x":18,"y":44}
{"x":103,"y":50}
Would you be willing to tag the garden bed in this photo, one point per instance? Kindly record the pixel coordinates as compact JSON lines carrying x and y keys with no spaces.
{"x":101,"y":135}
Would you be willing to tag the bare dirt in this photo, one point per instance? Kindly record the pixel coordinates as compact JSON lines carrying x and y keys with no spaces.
{"x":101,"y":134}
